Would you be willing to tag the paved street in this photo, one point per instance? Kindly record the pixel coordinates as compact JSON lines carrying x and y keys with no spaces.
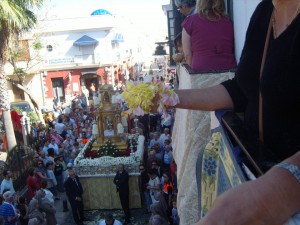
{"x":65,"y":218}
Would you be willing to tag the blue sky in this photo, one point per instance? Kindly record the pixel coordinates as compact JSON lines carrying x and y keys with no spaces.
{"x":145,"y":13}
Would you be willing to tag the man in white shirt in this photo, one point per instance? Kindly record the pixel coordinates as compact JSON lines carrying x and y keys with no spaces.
{"x":6,"y":183}
{"x":166,"y":121}
{"x":48,"y":194}
{"x":165,"y":135}
{"x":109,"y":220}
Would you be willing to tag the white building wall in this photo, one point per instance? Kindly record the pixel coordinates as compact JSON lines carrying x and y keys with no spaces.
{"x":63,"y":47}
{"x":242,"y":12}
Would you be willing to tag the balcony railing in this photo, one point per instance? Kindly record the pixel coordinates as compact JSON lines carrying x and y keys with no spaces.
{"x":255,"y":156}
{"x":87,"y":59}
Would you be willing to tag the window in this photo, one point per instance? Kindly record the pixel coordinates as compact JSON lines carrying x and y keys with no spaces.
{"x":49,"y":48}
{"x":115,"y":45}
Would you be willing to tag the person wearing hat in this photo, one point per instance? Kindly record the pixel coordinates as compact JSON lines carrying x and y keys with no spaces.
{"x":8,"y":212}
{"x":109,"y":220}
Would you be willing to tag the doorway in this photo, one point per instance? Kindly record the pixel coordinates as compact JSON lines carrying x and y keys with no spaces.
{"x":58,"y":88}
{"x":87,"y":80}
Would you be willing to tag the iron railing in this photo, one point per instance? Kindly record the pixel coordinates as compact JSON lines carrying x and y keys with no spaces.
{"x":18,"y":161}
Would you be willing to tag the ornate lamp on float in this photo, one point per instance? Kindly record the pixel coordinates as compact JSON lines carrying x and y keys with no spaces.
{"x":108,"y":118}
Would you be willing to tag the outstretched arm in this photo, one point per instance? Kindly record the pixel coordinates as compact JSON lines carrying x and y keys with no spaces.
{"x":206,"y":99}
{"x":271,"y":199}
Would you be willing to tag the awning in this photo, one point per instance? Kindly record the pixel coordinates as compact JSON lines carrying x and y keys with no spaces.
{"x":118,"y":37}
{"x":85,"y":40}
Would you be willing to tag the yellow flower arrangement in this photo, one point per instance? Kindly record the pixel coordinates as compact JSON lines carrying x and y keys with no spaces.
{"x":140,"y":97}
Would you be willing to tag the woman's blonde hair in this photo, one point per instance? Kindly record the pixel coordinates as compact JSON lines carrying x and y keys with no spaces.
{"x":211,"y":9}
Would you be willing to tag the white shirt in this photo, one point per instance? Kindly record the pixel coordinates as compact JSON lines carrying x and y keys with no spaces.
{"x":49,"y":196}
{"x":59,"y":127}
{"x":97,"y":100}
{"x":117,"y":222}
{"x":7,"y":184}
{"x":152,"y":183}
{"x":55,"y":147}
{"x":163,"y":137}
{"x":166,"y":121}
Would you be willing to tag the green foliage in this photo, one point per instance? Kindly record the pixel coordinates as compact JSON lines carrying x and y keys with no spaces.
{"x":37,"y":45}
{"x":19,"y":71}
{"x":108,"y":149}
{"x":150,"y":72}
{"x":31,"y":114}
{"x":33,"y":117}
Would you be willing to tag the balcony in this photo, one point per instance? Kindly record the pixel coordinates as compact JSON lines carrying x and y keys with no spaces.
{"x":87,"y":59}
{"x":254,"y":154}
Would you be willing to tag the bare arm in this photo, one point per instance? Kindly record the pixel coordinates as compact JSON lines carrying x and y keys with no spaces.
{"x":271,"y":199}
{"x":206,"y":99}
{"x":186,"y":44}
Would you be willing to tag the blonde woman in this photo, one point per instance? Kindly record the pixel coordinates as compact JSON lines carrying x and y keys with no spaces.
{"x":208,"y":38}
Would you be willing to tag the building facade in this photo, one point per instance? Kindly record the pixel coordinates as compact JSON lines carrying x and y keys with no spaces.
{"x":80,"y":51}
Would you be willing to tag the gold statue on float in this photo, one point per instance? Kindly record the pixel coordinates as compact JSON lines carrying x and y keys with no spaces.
{"x":109,"y":119}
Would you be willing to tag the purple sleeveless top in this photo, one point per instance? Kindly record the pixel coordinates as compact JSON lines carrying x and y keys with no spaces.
{"x":212,"y":43}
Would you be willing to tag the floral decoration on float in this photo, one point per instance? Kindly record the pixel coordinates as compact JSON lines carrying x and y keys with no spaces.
{"x":106,"y":149}
{"x":108,"y":155}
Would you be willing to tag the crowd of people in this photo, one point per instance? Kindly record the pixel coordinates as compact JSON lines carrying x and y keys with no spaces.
{"x":159,"y":179}
{"x":68,"y":128}
{"x":265,"y":88}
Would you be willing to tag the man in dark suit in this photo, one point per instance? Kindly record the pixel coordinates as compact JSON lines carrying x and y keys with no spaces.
{"x":121,"y":182}
{"x":74,"y":192}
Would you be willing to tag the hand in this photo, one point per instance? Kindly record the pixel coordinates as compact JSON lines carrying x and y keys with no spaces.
{"x":271,"y":199}
{"x":178,"y":57}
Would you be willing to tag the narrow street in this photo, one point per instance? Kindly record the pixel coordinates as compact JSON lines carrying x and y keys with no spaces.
{"x":65,"y":218}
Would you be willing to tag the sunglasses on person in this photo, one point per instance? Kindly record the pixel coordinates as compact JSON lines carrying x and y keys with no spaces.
{"x":179,"y":7}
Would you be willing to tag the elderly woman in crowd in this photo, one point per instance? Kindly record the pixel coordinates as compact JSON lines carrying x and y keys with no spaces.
{"x":35,"y":216}
{"x":186,"y":7}
{"x":46,"y":207}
